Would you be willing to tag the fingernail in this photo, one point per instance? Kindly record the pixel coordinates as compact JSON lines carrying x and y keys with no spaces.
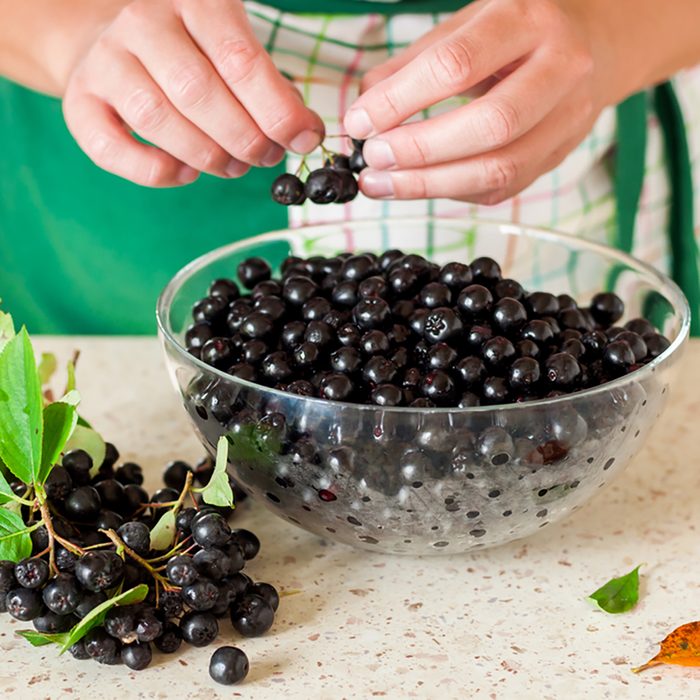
{"x":358,"y":124}
{"x":186,"y":175}
{"x":379,"y":154}
{"x":305,"y":142}
{"x":378,"y":184}
{"x":235,"y":168}
{"x":273,"y":156}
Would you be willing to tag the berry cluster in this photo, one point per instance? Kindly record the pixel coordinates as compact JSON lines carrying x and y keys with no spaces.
{"x":399,"y":330}
{"x":335,"y":182}
{"x":98,"y":541}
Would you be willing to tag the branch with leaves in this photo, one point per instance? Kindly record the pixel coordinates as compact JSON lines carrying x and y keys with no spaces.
{"x":35,"y":431}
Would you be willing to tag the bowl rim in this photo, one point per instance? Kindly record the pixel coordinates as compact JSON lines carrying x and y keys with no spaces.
{"x":680,"y":305}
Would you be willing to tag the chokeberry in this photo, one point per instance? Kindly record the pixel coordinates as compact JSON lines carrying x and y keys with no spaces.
{"x":288,"y":189}
{"x":248,"y":542}
{"x":324,"y":186}
{"x":228,"y":665}
{"x":58,"y":484}
{"x":24,"y":604}
{"x":170,"y":639}
{"x":136,"y":656}
{"x":62,"y":594}
{"x":252,"y":271}
{"x":99,"y":570}
{"x":32,"y":573}
{"x":252,"y":616}
{"x":136,"y":536}
{"x":101,"y":647}
{"x":607,"y":308}
{"x":82,"y":504}
{"x":199,"y":628}
{"x":210,"y":530}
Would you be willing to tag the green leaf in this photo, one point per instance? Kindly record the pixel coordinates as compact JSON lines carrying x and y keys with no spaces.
{"x":70,"y":382}
{"x":7,"y":329}
{"x":21,"y":404}
{"x":72,"y":398}
{"x":15,"y":542}
{"x":218,"y":491}
{"x":59,"y":422}
{"x":619,"y":594}
{"x":6,"y":493}
{"x":47,"y":367}
{"x":82,"y":422}
{"x":91,"y":441}
{"x":93,"y":619}
{"x":39,"y":639}
{"x":97,"y":615}
{"x":163,"y":533}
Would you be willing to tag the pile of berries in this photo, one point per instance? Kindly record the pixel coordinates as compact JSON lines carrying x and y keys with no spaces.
{"x":335,"y":182}
{"x":399,"y":330}
{"x":100,"y":543}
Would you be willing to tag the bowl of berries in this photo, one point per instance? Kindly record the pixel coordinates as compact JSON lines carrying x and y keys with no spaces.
{"x":424,"y":385}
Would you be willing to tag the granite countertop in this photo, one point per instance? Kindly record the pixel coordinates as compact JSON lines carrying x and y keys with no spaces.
{"x":511,"y":622}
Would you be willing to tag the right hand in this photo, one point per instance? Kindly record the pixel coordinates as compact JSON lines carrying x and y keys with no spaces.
{"x":189,"y":77}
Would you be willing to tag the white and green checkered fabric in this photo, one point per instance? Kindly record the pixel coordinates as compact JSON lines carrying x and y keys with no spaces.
{"x":328,"y":54}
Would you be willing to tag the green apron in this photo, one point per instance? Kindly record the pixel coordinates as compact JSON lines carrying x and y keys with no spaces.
{"x":82,"y":251}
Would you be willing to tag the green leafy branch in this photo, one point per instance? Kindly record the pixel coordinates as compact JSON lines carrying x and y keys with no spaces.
{"x":35,"y":431}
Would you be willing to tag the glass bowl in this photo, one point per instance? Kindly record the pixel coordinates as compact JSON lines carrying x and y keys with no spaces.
{"x":430,"y":480}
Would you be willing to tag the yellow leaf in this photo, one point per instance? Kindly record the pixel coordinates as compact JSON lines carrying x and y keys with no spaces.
{"x":681,"y":648}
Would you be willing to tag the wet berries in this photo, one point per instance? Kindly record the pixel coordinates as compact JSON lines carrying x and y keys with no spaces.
{"x":398,"y":330}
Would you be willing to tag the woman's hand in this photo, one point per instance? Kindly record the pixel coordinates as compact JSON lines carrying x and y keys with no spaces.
{"x":189,"y":77}
{"x":543,"y":81}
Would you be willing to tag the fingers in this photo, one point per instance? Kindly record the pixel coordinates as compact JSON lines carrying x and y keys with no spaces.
{"x":493,"y":177}
{"x":442,"y":30}
{"x":199,"y":95}
{"x":141,"y":104}
{"x":103,"y":137}
{"x":446,"y":68}
{"x":511,"y":108}
{"x":227,"y":40}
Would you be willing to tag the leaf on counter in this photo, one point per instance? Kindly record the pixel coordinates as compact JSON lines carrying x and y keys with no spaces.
{"x":15,"y":542}
{"x":47,"y":367}
{"x":21,"y":406}
{"x":91,"y":441}
{"x":680,"y":648}
{"x":59,"y":422}
{"x":7,"y":329}
{"x":39,"y":639}
{"x":218,"y":491}
{"x":619,"y":594}
{"x":94,"y":618}
{"x":163,"y":533}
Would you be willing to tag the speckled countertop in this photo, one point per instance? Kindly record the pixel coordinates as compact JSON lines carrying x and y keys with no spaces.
{"x":511,"y":622}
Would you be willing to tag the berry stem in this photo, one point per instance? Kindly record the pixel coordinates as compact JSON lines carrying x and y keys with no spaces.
{"x":172,"y":552}
{"x":53,"y":537}
{"x":122,"y":547}
{"x":301,"y":167}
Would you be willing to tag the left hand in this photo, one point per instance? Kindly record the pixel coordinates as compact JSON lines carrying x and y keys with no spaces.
{"x":545,"y":82}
